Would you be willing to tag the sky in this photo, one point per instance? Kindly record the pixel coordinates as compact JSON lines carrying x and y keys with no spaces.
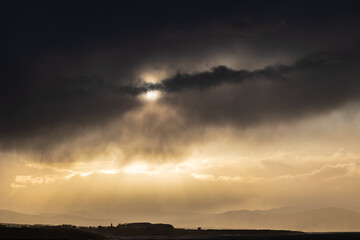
{"x":181,"y":106}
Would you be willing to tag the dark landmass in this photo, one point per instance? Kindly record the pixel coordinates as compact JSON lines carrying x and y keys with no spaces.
{"x":46,"y":232}
{"x":158,"y":231}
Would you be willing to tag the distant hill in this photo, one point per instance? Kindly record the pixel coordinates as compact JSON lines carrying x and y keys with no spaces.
{"x":323,"y":219}
{"x":7,"y":216}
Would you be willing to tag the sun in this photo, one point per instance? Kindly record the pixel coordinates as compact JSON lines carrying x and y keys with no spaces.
{"x":152,"y":95}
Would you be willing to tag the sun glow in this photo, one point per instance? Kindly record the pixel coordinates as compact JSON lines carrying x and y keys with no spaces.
{"x":152,"y":95}
{"x":139,"y":168}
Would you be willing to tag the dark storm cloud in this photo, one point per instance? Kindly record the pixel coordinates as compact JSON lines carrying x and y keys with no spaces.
{"x":217,"y":76}
{"x":224,"y":75}
{"x":313,"y":85}
{"x":70,"y":66}
{"x":202,"y":81}
{"x":60,"y":107}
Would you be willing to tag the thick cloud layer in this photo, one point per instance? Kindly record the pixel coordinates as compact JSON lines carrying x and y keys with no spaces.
{"x":64,"y":76}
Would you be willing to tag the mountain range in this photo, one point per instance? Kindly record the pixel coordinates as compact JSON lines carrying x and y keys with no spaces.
{"x":328,"y":219}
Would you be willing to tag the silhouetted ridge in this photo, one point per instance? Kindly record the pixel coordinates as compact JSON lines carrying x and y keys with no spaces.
{"x":136,"y":229}
{"x":146,"y":226}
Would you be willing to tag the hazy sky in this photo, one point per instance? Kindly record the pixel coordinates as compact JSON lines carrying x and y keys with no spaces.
{"x":189,"y":106}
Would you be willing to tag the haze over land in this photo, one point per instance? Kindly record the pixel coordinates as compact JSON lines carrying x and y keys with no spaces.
{"x":181,"y":112}
{"x":291,"y":218}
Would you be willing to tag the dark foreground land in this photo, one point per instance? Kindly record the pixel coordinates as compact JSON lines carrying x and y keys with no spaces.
{"x":158,"y":231}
